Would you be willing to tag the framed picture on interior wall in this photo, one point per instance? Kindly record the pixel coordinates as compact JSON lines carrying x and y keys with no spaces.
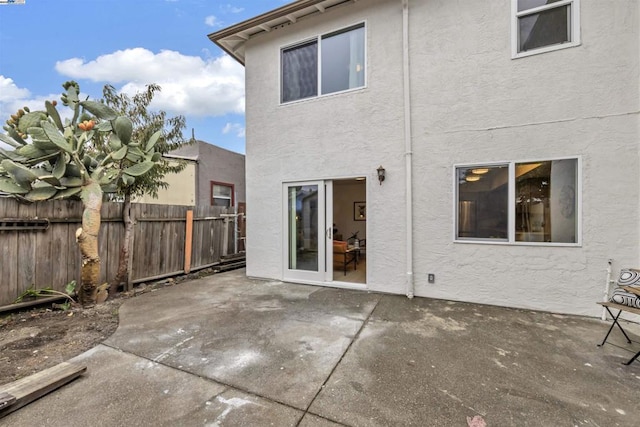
{"x":359,"y":211}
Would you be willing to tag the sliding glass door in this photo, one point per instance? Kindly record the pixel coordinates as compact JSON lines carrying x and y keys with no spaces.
{"x":307,"y":210}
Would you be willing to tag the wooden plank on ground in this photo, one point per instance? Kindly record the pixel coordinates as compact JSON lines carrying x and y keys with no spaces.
{"x":6,"y":400}
{"x":33,"y":387}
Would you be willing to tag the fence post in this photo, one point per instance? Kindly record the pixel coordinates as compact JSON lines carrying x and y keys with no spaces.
{"x":131,"y":246}
{"x":188,"y":242}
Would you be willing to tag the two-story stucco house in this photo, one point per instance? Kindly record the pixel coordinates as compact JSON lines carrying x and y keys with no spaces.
{"x":506,"y":132}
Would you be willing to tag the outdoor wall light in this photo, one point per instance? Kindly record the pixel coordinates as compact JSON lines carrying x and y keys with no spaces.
{"x":381,"y":174}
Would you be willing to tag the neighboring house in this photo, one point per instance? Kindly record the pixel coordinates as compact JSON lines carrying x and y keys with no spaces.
{"x":213,"y":176}
{"x":506,"y":130}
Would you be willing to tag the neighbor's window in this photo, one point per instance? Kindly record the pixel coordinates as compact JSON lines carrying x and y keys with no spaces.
{"x":544,"y":25}
{"x":221,"y":194}
{"x":540,"y":201}
{"x":330,"y":63}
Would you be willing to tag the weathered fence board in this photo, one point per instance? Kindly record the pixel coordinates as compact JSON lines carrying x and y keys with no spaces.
{"x":51,"y":258}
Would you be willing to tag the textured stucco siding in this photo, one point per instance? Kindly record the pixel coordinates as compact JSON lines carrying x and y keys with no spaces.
{"x":470,"y":103}
{"x":342,"y":135}
{"x":220,"y":165}
{"x":181,"y":190}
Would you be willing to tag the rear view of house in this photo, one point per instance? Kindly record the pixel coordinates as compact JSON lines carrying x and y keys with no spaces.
{"x":481,"y":151}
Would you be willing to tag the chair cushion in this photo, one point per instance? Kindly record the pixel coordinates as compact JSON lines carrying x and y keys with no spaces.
{"x":339,"y":247}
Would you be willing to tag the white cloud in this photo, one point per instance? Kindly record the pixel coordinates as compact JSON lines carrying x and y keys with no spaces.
{"x":13,"y":98}
{"x":9,"y":91}
{"x":211,"y":21}
{"x":236,"y":128}
{"x":190,"y":85}
{"x":228,"y":8}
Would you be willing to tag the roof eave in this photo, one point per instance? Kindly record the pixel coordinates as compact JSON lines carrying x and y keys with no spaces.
{"x":242,"y":31}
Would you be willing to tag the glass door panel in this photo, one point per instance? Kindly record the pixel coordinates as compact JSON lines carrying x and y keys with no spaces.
{"x":305,"y":231}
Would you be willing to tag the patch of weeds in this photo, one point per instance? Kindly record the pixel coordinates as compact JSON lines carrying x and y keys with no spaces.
{"x":49,"y":292}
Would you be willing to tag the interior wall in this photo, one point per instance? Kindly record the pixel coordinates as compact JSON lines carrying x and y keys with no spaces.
{"x":345,"y":194}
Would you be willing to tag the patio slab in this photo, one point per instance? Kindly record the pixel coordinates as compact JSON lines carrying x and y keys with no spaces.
{"x":226,"y":350}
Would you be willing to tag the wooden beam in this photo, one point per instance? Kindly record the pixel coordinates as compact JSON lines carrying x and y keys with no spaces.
{"x":6,"y":400}
{"x":28,"y":304}
{"x":28,"y":389}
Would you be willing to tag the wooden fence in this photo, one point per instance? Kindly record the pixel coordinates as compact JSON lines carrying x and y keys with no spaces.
{"x":38,"y":247}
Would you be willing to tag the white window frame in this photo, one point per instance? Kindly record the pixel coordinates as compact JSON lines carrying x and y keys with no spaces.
{"x":230,"y":198}
{"x":574,"y":16}
{"x":511,"y":240}
{"x":318,"y":40}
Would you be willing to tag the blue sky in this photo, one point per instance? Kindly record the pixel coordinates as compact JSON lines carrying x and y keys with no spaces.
{"x":129,"y":44}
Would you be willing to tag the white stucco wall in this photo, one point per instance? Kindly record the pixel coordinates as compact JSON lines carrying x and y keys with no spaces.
{"x":471,"y":103}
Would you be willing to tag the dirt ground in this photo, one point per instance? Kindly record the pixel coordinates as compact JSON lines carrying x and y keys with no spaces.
{"x":36,"y":339}
{"x":33,"y":340}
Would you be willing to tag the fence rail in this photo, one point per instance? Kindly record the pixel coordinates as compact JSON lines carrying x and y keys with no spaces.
{"x":38,"y":247}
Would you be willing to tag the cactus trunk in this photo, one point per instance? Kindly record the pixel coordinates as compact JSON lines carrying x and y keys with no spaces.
{"x":87,"y":238}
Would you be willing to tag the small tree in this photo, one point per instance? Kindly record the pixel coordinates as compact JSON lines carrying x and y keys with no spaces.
{"x":55,"y":160}
{"x":145,"y":124}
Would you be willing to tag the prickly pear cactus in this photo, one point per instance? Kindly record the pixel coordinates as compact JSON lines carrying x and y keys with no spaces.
{"x":55,"y":159}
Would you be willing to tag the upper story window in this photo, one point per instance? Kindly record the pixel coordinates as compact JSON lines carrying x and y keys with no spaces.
{"x":534,"y":201}
{"x":329,"y":63}
{"x":222,"y":194}
{"x":544,"y":25}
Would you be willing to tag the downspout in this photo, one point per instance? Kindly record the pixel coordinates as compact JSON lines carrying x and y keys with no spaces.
{"x":408,"y":154}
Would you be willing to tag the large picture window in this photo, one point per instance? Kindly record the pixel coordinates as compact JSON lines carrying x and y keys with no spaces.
{"x":327,"y":64}
{"x":519,"y":202}
{"x":544,"y":25}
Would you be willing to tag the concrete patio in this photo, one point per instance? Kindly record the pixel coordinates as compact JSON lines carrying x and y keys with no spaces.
{"x":225,"y":350}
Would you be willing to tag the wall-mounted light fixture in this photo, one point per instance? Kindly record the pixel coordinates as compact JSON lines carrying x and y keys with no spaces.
{"x":381,"y":174}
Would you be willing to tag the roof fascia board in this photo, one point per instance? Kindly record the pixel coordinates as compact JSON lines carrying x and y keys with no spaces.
{"x":261,"y":22}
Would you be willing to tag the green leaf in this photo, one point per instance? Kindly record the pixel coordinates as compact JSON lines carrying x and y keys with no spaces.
{"x":99,"y":110}
{"x":72,"y":94}
{"x":123,"y":127}
{"x":110,"y":188}
{"x":107,"y":178}
{"x":10,"y":155}
{"x":30,"y":152}
{"x":119,"y":155}
{"x":139,"y":169}
{"x":114,"y":142}
{"x":152,"y":141}
{"x":10,"y":141}
{"x":71,"y":287}
{"x":55,"y":136}
{"x":22,"y":175}
{"x":43,"y":158}
{"x":73,"y":171}
{"x":53,"y":113}
{"x":32,"y":119}
{"x":42,"y":193}
{"x":67,"y":193}
{"x":13,"y":134}
{"x":71,"y":181}
{"x":104,"y":126}
{"x":61,"y":166}
{"x":7,"y":185}
{"x":50,"y":179}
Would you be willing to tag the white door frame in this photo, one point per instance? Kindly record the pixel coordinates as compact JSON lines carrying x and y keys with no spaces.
{"x":324,"y":233}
